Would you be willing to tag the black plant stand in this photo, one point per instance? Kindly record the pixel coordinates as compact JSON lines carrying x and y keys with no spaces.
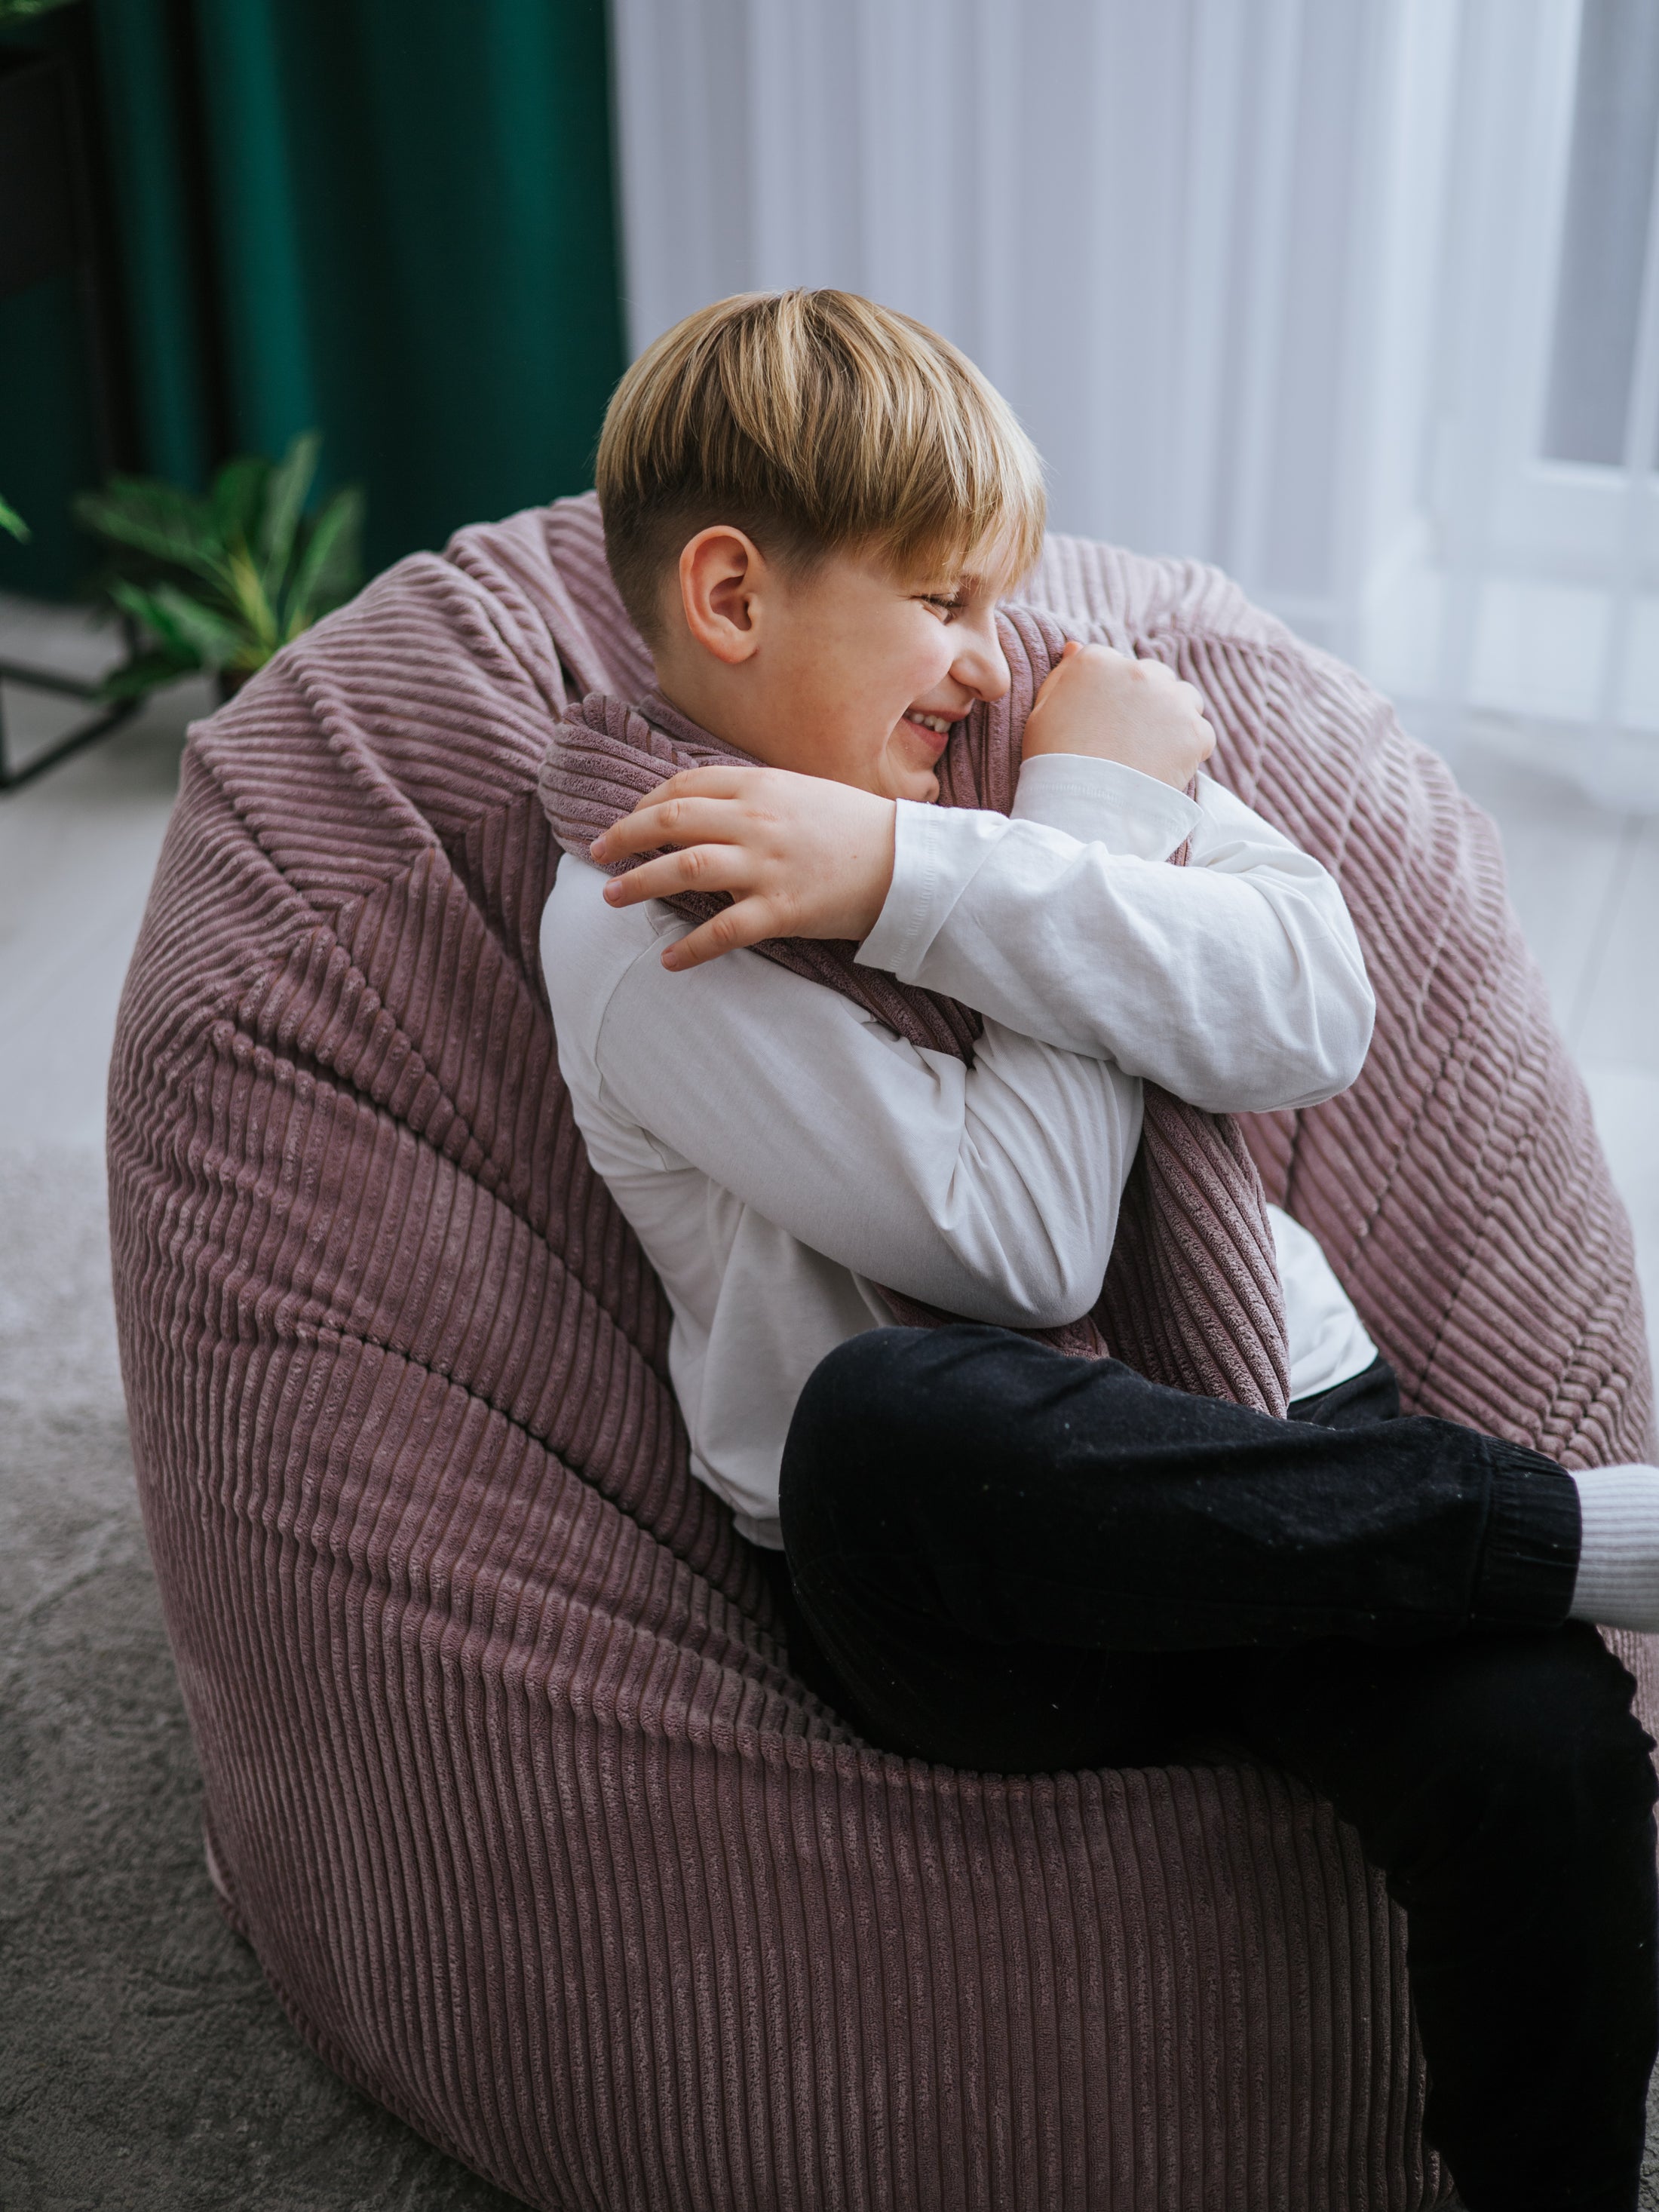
{"x":73,"y":687}
{"x":54,"y":212}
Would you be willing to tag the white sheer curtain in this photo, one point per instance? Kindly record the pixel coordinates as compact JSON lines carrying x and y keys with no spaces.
{"x":1539,"y":581}
{"x":1324,"y":293}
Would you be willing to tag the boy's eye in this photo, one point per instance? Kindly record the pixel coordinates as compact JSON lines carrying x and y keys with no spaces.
{"x":948,"y":606}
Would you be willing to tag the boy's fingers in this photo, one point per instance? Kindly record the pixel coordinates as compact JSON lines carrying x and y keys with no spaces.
{"x":688,"y":819}
{"x":746,"y":923}
{"x":698,"y":868}
{"x":1072,"y":648}
{"x":719,"y":779}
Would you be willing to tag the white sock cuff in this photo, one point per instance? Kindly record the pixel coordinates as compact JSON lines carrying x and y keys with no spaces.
{"x":1618,"y":1580}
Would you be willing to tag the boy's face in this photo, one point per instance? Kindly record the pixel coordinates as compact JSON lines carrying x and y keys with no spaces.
{"x":849,"y":672}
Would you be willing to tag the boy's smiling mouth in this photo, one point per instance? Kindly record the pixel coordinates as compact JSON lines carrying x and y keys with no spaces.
{"x":934,"y":726}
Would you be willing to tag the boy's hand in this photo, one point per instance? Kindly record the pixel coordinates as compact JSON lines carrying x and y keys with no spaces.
{"x":800,"y":856}
{"x":1100,"y":702}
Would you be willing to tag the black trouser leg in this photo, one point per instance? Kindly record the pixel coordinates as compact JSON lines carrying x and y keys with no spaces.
{"x":962,"y":1504}
{"x":1003,"y":1560}
{"x":1503,"y":1785}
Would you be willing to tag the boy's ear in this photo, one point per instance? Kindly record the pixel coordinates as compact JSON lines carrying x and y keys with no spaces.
{"x":722,"y":576}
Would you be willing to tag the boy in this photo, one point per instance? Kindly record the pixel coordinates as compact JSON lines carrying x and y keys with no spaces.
{"x":988,"y":1554}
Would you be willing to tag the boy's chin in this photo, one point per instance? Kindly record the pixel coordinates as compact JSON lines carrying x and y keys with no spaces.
{"x":919,"y":784}
{"x":914,"y":779}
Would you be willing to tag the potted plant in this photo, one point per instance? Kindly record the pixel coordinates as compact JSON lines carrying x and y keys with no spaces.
{"x":223,"y":582}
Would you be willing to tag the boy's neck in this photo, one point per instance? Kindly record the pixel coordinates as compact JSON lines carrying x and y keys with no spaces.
{"x":706,"y":708}
{"x":669,"y":716}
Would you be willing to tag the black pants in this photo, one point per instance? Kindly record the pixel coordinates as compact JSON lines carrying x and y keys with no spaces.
{"x":1005,"y":1559}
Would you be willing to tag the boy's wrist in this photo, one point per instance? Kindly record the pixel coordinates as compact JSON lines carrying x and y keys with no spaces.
{"x":935,"y":849}
{"x":1104,"y":802}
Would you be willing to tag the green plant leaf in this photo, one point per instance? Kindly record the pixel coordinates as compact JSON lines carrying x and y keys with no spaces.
{"x":144,"y":672}
{"x":225,"y":581}
{"x":156,"y":518}
{"x":285,"y":499}
{"x":217,"y":641}
{"x":331,"y":567}
{"x":194,"y":635}
{"x":252,"y":608}
{"x":146,"y":608}
{"x":11,"y":520}
{"x":238,"y":497}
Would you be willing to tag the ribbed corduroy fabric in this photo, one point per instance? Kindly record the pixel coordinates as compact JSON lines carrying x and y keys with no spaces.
{"x":1192,"y":1295}
{"x":506,"y":1780}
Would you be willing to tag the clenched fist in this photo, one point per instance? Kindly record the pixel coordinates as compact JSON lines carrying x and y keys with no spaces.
{"x":1100,"y":702}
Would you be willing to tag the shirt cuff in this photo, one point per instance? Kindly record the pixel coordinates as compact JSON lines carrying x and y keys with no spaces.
{"x":936,"y":850}
{"x":1105,"y":802}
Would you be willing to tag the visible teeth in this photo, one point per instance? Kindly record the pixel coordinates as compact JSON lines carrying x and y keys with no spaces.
{"x":931,"y":723}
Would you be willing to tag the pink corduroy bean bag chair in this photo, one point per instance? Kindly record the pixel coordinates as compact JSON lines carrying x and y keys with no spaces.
{"x":506,"y":1778}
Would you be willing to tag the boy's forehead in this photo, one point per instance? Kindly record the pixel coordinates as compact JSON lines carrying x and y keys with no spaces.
{"x":987,"y":566}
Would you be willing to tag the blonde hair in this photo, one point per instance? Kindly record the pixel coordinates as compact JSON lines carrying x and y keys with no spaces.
{"x":812,"y":421}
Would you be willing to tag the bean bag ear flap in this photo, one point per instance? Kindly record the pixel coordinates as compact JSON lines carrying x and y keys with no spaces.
{"x":506,"y":1778}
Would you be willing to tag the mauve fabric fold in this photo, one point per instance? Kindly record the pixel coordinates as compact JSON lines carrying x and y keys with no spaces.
{"x":507,"y":1777}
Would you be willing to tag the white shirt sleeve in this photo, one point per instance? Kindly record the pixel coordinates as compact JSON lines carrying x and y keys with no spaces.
{"x":1236,"y":982}
{"x":992,"y":1192}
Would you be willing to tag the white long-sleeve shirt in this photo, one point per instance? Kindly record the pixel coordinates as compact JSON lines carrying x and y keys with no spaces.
{"x":779,"y":1152}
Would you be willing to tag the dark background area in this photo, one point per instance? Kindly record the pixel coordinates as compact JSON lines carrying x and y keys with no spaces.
{"x":391,"y":219}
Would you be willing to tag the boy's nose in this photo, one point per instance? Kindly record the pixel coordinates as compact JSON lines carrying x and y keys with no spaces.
{"x":981,"y":666}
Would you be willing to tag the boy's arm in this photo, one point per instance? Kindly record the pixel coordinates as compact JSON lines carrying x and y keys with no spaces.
{"x":991,"y":1191}
{"x":1236,"y":982}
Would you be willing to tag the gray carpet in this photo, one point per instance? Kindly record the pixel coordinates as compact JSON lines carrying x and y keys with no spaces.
{"x":144,"y":2063}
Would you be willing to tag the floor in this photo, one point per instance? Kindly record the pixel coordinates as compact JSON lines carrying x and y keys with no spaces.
{"x":145,"y":2065}
{"x":143,"y":2060}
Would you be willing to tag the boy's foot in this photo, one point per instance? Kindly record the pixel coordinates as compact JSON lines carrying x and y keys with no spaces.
{"x":1618,"y":1582}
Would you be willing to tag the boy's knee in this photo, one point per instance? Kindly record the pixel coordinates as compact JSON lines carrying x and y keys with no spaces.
{"x":1525,"y":1739}
{"x":1545,"y":1728}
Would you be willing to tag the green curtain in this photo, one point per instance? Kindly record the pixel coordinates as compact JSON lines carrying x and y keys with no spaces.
{"x":389,"y":218}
